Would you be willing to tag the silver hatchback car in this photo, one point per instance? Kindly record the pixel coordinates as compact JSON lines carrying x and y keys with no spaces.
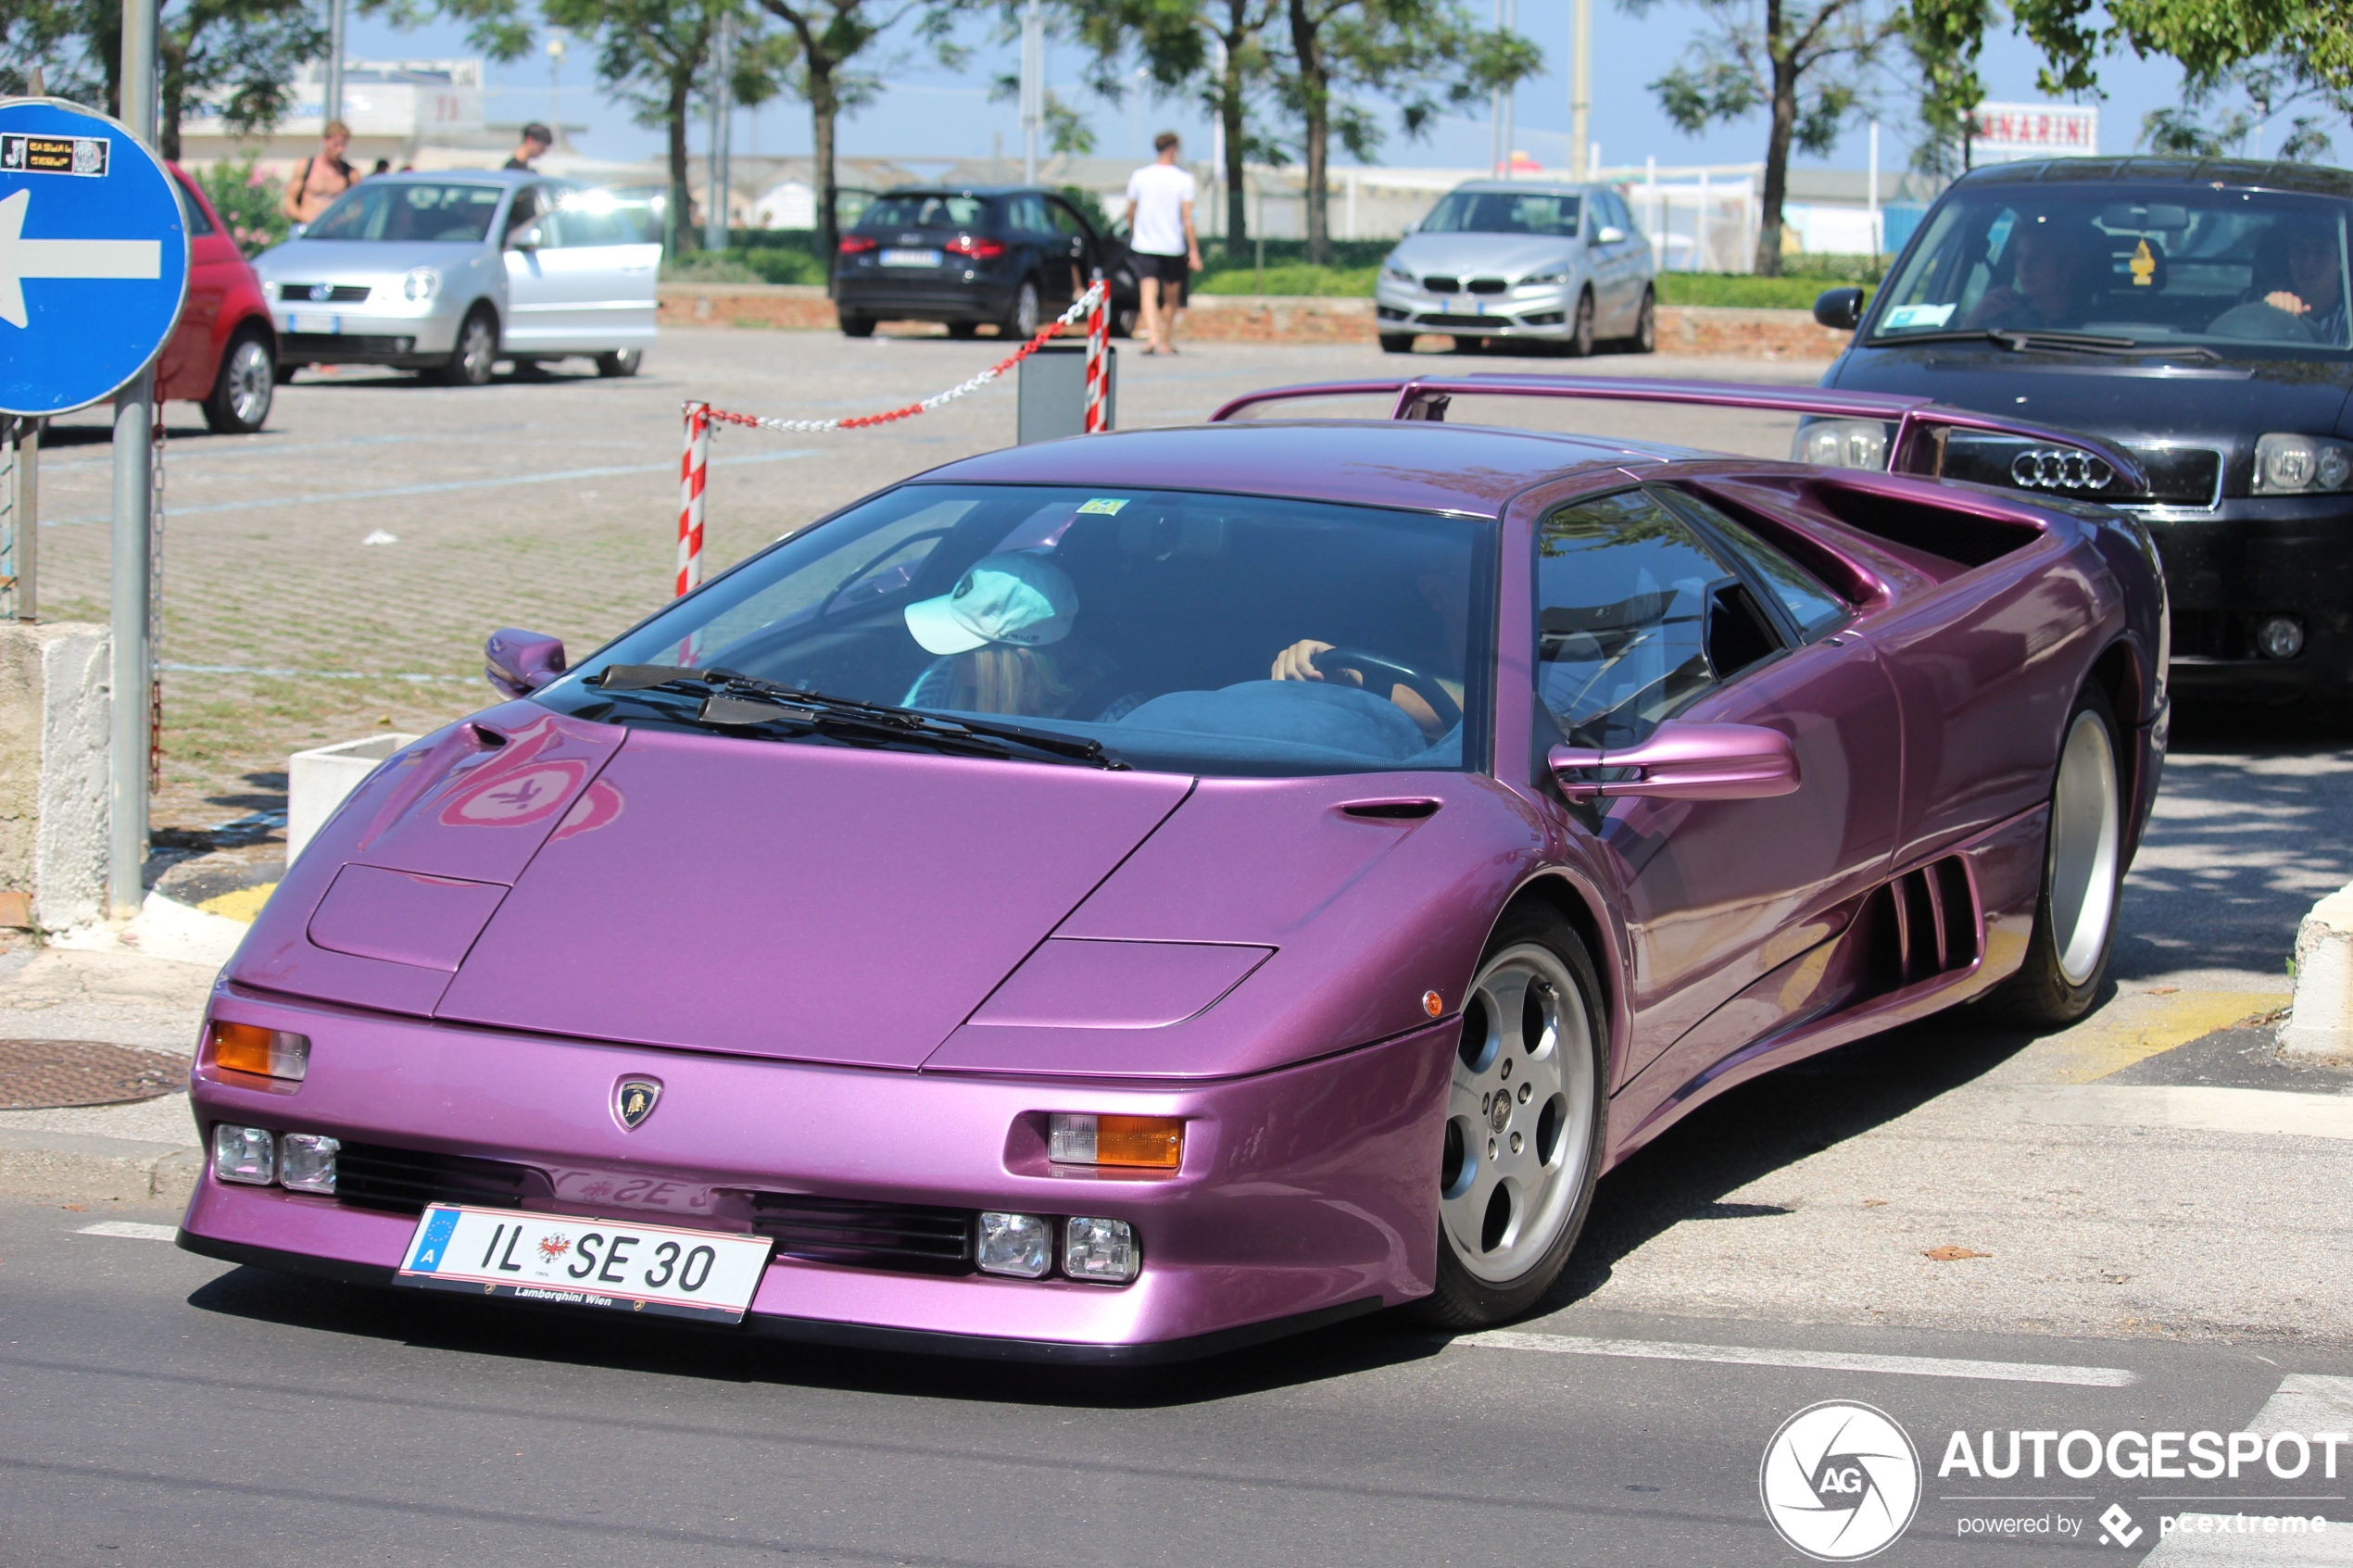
{"x":1556,"y":264}
{"x":451,"y":272}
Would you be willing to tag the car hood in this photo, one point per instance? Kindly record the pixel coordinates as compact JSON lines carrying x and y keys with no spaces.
{"x":1482,"y":256}
{"x":2229,"y":404}
{"x":326,"y":260}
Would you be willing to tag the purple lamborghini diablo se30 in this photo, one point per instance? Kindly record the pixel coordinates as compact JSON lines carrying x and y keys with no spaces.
{"x":1124,"y":898}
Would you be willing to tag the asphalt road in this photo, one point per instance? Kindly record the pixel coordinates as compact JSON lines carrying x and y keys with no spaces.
{"x":163,"y":1408}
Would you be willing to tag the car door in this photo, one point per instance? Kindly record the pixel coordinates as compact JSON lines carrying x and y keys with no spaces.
{"x":1612,"y":306}
{"x":1650,"y":607}
{"x":588,"y":272}
{"x":1046,"y":249}
{"x":190,"y":355}
{"x":1077,"y":243}
{"x":534,"y":303}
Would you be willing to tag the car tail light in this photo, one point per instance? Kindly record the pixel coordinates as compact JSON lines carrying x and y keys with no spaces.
{"x":978,"y":249}
{"x":249,"y":1048}
{"x":857,"y":244}
{"x":1150,"y":1142}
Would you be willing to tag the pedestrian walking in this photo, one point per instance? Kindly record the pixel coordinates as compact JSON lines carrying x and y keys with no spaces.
{"x":321,"y":177}
{"x":1160,"y":238}
{"x":536,"y":140}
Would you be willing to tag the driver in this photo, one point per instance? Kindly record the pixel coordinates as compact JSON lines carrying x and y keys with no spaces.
{"x":1446,"y":590}
{"x":1002,"y":637}
{"x":2316,"y":281}
{"x":2051,"y":279}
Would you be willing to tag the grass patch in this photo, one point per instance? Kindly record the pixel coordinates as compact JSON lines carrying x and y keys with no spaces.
{"x":1742,"y":290}
{"x":1291,"y":279}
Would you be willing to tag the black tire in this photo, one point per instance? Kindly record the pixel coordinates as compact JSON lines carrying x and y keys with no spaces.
{"x":1124,"y":321}
{"x":474,"y":353}
{"x":2083,"y":875}
{"x":1645,"y":338}
{"x":1026,"y":313}
{"x":285,"y":372}
{"x":962,"y":330}
{"x":1464,"y":345}
{"x":854,"y":325}
{"x":625,"y":362}
{"x":245,"y":385}
{"x":1580,"y":332}
{"x":1501,"y":1273}
{"x":1396,"y":342}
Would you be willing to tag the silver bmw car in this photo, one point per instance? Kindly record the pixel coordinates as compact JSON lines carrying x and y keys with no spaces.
{"x":449,"y":273}
{"x":1496,"y":260}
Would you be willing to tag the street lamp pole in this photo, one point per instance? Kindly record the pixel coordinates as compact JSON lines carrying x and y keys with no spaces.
{"x":130,"y":570}
{"x":1581,"y":90}
{"x":330,"y":100}
{"x":1033,"y":87}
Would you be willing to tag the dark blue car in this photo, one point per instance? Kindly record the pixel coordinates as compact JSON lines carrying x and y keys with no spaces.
{"x":1010,"y":256}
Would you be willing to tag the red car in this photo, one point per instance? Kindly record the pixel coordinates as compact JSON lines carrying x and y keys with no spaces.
{"x":224,"y":352}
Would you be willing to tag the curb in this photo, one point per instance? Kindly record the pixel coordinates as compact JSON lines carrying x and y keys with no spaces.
{"x":83,"y":1168}
{"x":2319,"y":1024}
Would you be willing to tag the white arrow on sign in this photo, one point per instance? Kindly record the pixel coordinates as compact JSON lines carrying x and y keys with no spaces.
{"x":21,"y":258}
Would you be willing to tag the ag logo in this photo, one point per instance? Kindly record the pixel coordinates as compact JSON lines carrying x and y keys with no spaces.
{"x":632,"y":1100}
{"x":1840,"y":1481}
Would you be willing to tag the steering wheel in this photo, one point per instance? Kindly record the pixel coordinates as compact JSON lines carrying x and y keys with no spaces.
{"x":1372,"y":667}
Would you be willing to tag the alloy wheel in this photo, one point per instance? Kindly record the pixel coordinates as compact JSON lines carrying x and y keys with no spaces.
{"x":1646,"y":325}
{"x":1580,"y":338}
{"x":1025,"y":311}
{"x":251,"y":378}
{"x":1519,"y":1114}
{"x":478,"y":350}
{"x":2087,"y":834}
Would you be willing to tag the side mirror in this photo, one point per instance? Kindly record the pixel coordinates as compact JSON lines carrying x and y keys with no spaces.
{"x":528,"y":237}
{"x":1609,"y":234}
{"x":295,"y":231}
{"x":1840,"y":309}
{"x":517,"y":663}
{"x":1683,"y":762}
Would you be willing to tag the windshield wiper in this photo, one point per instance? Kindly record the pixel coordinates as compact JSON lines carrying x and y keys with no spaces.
{"x":2020,"y":341}
{"x":737,"y":701}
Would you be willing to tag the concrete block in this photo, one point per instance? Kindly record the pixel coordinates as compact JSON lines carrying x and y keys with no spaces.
{"x":54,"y":693}
{"x":2320,"y":1023}
{"x":319,"y":779}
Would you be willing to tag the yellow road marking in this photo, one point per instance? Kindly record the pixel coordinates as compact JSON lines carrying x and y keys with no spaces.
{"x":2140,"y":1025}
{"x":242,"y":905}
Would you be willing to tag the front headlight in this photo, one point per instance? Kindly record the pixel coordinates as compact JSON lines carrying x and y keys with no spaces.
{"x":2287,"y":465}
{"x":1560,"y":277}
{"x":1390,"y":269}
{"x":1842,"y":443}
{"x":420,"y":284}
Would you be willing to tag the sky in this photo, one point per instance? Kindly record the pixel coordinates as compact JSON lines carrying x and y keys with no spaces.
{"x":929,"y":112}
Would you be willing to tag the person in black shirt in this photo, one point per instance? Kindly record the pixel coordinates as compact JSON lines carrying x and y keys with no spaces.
{"x":536,"y":140}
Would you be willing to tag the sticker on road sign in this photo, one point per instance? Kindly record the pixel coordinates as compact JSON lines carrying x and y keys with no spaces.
{"x":55,"y":154}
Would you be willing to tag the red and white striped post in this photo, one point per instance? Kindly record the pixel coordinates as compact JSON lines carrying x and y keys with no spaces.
{"x":692,"y":468}
{"x":1097,"y":343}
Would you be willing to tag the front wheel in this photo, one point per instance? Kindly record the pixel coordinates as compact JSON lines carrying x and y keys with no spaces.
{"x":242,"y":392}
{"x":1524,"y":1122}
{"x":854,"y":325}
{"x":1023,"y":320}
{"x":1396,"y":342}
{"x":2067,"y":954}
{"x":475,"y":352}
{"x":1580,"y":333}
{"x":626,"y":362}
{"x":1645,"y":338}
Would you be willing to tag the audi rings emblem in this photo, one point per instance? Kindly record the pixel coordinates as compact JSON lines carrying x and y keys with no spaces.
{"x":2060,"y":468}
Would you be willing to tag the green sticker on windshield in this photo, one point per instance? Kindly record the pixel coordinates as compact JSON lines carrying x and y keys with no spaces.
{"x":1104,"y":506}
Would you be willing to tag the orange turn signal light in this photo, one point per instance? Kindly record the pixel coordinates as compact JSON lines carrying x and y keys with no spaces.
{"x":249,"y":1048}
{"x":1154,"y":1143}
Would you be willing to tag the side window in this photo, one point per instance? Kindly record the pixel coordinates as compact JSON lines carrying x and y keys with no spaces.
{"x":1614,"y":211}
{"x":1029,"y":215}
{"x":1636,"y":616}
{"x":1812,"y":607}
{"x":191,"y":212}
{"x":526,"y":208}
{"x":1064,"y":220}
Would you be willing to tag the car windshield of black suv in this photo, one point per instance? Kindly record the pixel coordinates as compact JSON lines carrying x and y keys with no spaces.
{"x":2133,"y":265}
{"x":1503,"y":212}
{"x":924,"y":212}
{"x":1169,"y":631}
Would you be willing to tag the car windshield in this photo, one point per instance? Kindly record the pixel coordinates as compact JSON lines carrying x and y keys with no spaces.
{"x":924,"y":212}
{"x":1503,"y":212}
{"x":1183,"y":632}
{"x":411,"y":210}
{"x":2152,"y":264}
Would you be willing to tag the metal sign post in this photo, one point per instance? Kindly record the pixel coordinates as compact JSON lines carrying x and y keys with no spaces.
{"x":20,"y":518}
{"x":133,"y":557}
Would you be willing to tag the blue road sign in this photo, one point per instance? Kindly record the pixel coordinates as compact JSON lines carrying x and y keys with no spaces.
{"x":94,"y":256}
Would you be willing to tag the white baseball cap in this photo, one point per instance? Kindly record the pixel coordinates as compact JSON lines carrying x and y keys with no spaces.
{"x":1016,"y":597}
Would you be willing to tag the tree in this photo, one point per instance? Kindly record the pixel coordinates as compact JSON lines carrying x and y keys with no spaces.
{"x":2207,"y":124}
{"x":1804,"y":61}
{"x":239,"y":54}
{"x":831,"y":36}
{"x":1945,"y":38}
{"x":1416,"y":48}
{"x":49,"y":36}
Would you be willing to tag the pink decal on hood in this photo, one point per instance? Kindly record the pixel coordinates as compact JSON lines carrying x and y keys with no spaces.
{"x":515,"y":797}
{"x":599,"y":805}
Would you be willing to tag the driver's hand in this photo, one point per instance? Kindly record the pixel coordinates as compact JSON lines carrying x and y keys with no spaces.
{"x":2281,"y":300}
{"x":1297,"y":662}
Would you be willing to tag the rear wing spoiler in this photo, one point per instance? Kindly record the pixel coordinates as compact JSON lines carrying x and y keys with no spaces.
{"x":1916,"y":448}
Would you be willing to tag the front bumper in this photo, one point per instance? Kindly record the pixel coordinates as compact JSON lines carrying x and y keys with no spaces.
{"x":1548,"y":312}
{"x":1306,"y":1195}
{"x":359,"y":337}
{"x":2251,"y":557}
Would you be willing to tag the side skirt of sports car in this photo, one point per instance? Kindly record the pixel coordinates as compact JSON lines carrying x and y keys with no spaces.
{"x":1068,"y":908}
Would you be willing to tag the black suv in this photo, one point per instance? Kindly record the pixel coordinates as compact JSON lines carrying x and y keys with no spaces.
{"x":2192,"y":312}
{"x":1012,"y":257}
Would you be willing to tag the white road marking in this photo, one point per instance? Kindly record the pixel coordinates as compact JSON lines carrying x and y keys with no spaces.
{"x":21,"y":258}
{"x":2275,"y":1112}
{"x":130,"y":1230}
{"x":1816,"y":1360}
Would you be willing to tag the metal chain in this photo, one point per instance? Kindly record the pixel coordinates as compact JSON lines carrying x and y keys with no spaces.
{"x":11,"y":550}
{"x":155,"y":602}
{"x":1078,"y":309}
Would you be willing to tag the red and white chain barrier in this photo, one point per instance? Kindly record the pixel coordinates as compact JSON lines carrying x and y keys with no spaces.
{"x":693,"y":469}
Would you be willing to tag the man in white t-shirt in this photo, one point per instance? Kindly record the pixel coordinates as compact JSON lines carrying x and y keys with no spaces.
{"x":1160,"y":238}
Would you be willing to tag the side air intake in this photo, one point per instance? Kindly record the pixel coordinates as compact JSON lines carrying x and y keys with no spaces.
{"x":1923,"y":925}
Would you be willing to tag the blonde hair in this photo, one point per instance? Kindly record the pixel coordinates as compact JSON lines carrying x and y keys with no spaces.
{"x":334,"y":128}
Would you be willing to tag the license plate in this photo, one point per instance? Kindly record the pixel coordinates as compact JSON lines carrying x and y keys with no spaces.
{"x":302,"y":323}
{"x":619,"y":1265}
{"x":911,"y":258}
